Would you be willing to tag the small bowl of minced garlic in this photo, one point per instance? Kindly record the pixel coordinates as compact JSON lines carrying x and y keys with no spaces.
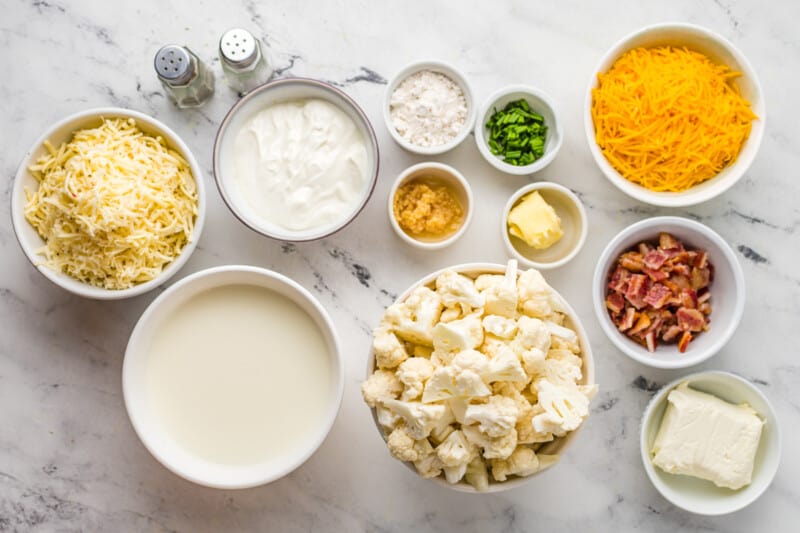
{"x":544,"y":225}
{"x":430,"y":205}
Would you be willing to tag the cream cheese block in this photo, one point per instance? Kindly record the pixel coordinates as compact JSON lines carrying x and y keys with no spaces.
{"x":708,"y":438}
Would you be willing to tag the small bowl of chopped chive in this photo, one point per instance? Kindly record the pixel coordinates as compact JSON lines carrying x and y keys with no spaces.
{"x":518,"y":130}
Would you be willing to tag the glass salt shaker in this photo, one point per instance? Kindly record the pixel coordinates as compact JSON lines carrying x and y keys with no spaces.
{"x":244,"y":64}
{"x":187,"y":80}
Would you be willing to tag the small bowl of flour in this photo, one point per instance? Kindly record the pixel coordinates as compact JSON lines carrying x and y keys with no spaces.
{"x":429,"y":108}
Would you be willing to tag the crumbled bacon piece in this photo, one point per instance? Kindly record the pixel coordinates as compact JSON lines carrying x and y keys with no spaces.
{"x":659,"y":292}
{"x":657,"y":296}
{"x":615,"y":303}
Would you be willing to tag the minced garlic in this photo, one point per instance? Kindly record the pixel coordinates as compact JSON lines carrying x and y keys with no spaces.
{"x":427,"y":210}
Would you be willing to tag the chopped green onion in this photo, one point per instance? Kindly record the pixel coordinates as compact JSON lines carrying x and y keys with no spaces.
{"x":517,"y":133}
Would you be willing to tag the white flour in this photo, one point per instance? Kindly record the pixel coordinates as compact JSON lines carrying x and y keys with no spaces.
{"x":428,"y":109}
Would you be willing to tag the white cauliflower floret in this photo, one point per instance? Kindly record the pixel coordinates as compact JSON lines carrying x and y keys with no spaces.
{"x":450,"y":382}
{"x":563,"y":337}
{"x":505,"y":366}
{"x":428,"y":467}
{"x":525,"y":432}
{"x":387,"y":419}
{"x":495,"y":418}
{"x":492,"y":345}
{"x":493,"y":448}
{"x":477,"y":475}
{"x":413,"y":319}
{"x":565,"y":406}
{"x":501,"y":298}
{"x":523,"y":462}
{"x":456,"y":450}
{"x":470,"y":360}
{"x":444,"y":426}
{"x":453,"y":474}
{"x":420,"y":418}
{"x":555,"y":370}
{"x":458,"y":406}
{"x":531,"y":342}
{"x":500,"y":326}
{"x":458,"y":290}
{"x":413,"y":373}
{"x":462,"y":334}
{"x":380,"y":386}
{"x":536,"y":297}
{"x":486,"y":281}
{"x":389,"y":351}
{"x":451,"y":313}
{"x":403,"y":446}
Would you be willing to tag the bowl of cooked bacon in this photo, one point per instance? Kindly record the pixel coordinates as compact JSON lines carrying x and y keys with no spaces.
{"x":669,"y":292}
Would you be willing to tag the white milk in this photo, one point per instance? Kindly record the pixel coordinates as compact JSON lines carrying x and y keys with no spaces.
{"x":238,"y":375}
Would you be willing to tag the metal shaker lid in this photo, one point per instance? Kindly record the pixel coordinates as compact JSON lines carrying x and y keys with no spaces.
{"x":238,"y":48}
{"x":174,"y":65}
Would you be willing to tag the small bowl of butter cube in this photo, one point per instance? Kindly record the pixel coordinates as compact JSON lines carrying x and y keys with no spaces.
{"x":710,"y":442}
{"x":544,"y":225}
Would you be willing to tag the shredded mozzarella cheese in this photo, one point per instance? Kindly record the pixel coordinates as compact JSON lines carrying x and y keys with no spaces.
{"x":114,"y":205}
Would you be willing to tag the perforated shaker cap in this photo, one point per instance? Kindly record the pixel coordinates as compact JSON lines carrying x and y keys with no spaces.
{"x":238,"y":48}
{"x":173,"y":64}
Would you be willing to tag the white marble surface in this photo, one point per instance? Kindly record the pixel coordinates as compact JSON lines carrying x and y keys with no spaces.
{"x":69,"y":459}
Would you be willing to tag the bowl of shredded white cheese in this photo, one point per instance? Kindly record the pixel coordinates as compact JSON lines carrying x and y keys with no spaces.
{"x":429,"y":108}
{"x":108,"y":203}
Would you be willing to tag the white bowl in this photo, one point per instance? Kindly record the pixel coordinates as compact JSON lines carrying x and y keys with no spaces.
{"x":569,"y":209}
{"x":61,"y":132}
{"x":701,"y":496}
{"x":727,"y":291}
{"x":274,"y":92}
{"x":146,"y":421}
{"x":718,"y":49}
{"x":442,"y":68}
{"x":447,"y":175}
{"x":558,"y":445}
{"x":539,"y":102}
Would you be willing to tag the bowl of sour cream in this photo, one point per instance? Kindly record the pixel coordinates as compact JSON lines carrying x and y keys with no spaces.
{"x":296,"y":159}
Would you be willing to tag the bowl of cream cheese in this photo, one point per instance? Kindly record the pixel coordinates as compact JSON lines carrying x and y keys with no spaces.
{"x":710,"y":442}
{"x":296,"y":159}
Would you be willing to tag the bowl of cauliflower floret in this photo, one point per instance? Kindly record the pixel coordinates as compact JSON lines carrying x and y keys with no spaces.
{"x":480,"y":376}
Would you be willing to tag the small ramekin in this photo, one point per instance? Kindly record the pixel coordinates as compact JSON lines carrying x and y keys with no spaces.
{"x":446,"y":174}
{"x":452,"y":73}
{"x":539,"y":102}
{"x":569,"y":209}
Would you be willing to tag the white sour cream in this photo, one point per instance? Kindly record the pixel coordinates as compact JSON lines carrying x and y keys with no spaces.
{"x":300,"y":165}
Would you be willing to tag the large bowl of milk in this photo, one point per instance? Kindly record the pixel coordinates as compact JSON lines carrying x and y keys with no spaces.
{"x":233,"y":377}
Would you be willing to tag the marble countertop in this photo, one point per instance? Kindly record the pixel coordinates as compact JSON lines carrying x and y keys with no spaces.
{"x":69,"y":459}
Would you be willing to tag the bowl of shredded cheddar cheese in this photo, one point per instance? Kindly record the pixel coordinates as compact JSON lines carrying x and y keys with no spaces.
{"x":108,"y":203}
{"x":674,"y":114}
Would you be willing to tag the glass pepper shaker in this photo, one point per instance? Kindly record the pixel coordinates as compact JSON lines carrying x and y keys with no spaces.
{"x":244,"y":64}
{"x":187,"y":80}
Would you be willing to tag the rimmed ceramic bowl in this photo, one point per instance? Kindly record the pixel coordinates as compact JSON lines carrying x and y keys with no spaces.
{"x":437,"y":173}
{"x":62,"y":131}
{"x":260,"y":98}
{"x":559,"y":445}
{"x":568,"y":208}
{"x":698,"y":495}
{"x":447,"y":70}
{"x":727,"y":291}
{"x":540,"y":102}
{"x":719,"y":50}
{"x":141,"y":398}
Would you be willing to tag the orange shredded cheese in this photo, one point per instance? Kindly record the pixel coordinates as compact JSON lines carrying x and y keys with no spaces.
{"x":669,"y":118}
